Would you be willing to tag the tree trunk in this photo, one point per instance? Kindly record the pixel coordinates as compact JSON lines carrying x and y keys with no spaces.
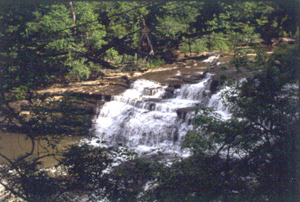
{"x":73,"y":15}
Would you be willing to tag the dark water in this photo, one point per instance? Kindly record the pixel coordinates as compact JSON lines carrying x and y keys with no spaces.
{"x":13,"y":145}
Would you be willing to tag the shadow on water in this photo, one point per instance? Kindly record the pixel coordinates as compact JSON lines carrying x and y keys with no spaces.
{"x":13,"y":145}
{"x":55,"y":124}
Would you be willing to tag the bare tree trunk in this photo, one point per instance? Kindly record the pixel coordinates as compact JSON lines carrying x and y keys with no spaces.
{"x":135,"y":58}
{"x":73,"y":15}
{"x":145,"y":32}
{"x":151,"y":52}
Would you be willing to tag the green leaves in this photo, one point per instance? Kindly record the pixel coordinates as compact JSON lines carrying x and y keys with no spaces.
{"x":248,"y":157}
{"x":52,"y":35}
{"x":91,"y":31}
{"x":240,"y":159}
{"x":78,"y":68}
{"x":86,"y":163}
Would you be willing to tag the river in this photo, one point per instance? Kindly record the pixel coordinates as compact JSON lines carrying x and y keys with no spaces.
{"x":13,"y":145}
{"x":153,"y":116}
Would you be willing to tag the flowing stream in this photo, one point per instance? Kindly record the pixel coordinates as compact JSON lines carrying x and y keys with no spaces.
{"x":152,"y":117}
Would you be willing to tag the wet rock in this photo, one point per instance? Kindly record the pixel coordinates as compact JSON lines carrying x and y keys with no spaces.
{"x":169,"y":92}
{"x":189,"y":80}
{"x":152,"y":106}
{"x":182,"y":112}
{"x":168,"y":95}
{"x":194,"y":78}
{"x":217,"y":81}
{"x":198,"y":76}
{"x":106,"y":97}
{"x":151,"y":91}
{"x":126,"y":79}
{"x":143,"y":69}
{"x":176,"y":86}
{"x":153,"y":100}
{"x":214,"y":86}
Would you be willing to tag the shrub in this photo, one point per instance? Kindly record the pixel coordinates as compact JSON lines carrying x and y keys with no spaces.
{"x":194,"y":46}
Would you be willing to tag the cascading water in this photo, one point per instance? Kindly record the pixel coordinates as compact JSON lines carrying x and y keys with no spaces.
{"x":146,"y":120}
{"x":217,"y":103}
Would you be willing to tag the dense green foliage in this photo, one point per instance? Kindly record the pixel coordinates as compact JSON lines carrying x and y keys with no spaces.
{"x":249,"y":157}
{"x":47,"y":42}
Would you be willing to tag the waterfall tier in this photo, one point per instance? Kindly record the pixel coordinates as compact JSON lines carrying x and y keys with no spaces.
{"x":151,"y":116}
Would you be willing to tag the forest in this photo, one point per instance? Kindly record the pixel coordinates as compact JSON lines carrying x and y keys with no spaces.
{"x":252,"y":156}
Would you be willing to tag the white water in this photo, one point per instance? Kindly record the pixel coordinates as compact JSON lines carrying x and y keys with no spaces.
{"x":217,"y":103}
{"x":142,"y":120}
{"x":211,"y":59}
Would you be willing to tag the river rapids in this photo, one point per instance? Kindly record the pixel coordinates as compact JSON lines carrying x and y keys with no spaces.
{"x":152,"y":117}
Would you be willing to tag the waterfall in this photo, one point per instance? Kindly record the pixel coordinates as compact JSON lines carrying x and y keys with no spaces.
{"x":146,"y":120}
{"x":219,"y":105}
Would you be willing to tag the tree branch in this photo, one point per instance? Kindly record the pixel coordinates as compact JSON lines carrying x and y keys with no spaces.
{"x":32,"y":149}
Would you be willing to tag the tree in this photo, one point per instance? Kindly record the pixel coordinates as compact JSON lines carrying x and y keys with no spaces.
{"x":249,"y":157}
{"x":173,"y":21}
{"x":69,"y":44}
